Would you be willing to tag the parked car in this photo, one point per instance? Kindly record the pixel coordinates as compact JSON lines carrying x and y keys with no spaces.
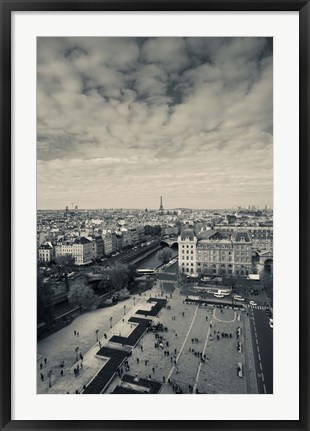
{"x":205,"y":279}
{"x":253,"y":303}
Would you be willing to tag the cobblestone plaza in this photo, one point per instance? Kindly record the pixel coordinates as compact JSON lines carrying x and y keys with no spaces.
{"x":197,"y":353}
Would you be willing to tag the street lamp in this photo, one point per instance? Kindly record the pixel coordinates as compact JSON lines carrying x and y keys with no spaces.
{"x":77,"y":353}
{"x":110,"y":287}
{"x":50,"y":378}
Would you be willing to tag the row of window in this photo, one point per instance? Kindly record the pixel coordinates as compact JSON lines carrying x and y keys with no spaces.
{"x":223,"y":272}
{"x":217,"y":259}
{"x":222,"y":247}
{"x":213,"y":265}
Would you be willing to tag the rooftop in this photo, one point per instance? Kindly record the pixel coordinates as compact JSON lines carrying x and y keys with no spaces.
{"x":187,"y":233}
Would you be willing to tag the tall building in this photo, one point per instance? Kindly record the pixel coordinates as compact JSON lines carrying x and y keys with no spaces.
{"x":161,"y":208}
{"x":81,"y":249}
{"x":97,"y":243}
{"x":46,"y":252}
{"x":187,"y":252}
{"x":261,"y":236}
{"x":107,"y":243}
{"x":40,"y":238}
{"x":215,"y":253}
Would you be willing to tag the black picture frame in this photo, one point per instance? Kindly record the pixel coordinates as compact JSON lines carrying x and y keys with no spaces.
{"x":7,"y":7}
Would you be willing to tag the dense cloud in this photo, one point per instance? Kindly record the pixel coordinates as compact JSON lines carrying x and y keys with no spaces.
{"x":121,"y":121}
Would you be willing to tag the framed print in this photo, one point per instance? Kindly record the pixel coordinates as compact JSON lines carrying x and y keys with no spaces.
{"x":154,"y":177}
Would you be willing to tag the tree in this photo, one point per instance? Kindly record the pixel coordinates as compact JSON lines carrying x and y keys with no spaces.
{"x":157,"y":230}
{"x":148,"y":229}
{"x":266,"y":280}
{"x":152,"y":230}
{"x":83,"y":296}
{"x":131,"y":273}
{"x":178,"y":223}
{"x":44,"y":267}
{"x":119,"y":276}
{"x":64,"y":264}
{"x":165,"y":255}
{"x":105,"y":283}
{"x":45,"y":300}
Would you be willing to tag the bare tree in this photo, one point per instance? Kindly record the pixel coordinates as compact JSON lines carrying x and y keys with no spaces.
{"x":64,"y":264}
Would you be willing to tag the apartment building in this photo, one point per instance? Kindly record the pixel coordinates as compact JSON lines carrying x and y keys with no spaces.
{"x":46,"y":252}
{"x":80,"y":248}
{"x":215,"y":253}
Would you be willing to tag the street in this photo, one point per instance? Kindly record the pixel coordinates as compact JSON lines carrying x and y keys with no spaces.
{"x":262,"y":336}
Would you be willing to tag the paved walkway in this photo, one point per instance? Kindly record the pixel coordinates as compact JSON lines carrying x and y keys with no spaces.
{"x":189,"y":334}
{"x":61,"y":346}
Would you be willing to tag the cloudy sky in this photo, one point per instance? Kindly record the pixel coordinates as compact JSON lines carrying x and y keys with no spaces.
{"x":121,"y":121}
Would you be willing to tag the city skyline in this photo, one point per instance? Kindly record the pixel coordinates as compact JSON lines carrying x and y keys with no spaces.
{"x":121,"y":121}
{"x":249,"y":207}
{"x":74,"y":207}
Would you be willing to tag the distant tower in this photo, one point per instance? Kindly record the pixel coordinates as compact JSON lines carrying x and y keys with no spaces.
{"x":67,"y":209}
{"x":76,"y":208}
{"x":161,"y":208}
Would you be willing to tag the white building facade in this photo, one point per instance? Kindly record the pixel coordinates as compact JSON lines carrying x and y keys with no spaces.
{"x":216,"y":255}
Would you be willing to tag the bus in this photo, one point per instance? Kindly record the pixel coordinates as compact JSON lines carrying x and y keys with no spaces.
{"x":253,"y":277}
{"x":145,"y":271}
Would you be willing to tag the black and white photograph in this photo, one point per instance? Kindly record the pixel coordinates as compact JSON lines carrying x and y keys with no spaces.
{"x":154,"y":215}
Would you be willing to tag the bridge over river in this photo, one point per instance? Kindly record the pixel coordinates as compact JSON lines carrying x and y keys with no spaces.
{"x":146,"y":257}
{"x":170,"y":242}
{"x":149,"y":254}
